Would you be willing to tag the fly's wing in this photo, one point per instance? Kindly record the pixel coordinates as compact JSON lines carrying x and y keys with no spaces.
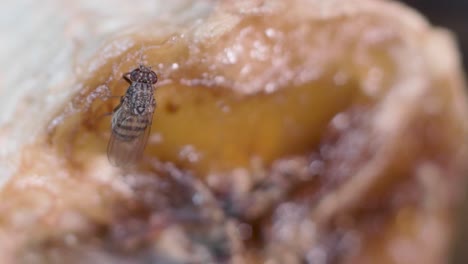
{"x":122,"y":153}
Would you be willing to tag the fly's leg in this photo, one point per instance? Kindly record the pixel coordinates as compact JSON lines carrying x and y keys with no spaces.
{"x":119,"y":105}
{"x":115,"y":108}
{"x":126,"y":77}
{"x":114,"y":96}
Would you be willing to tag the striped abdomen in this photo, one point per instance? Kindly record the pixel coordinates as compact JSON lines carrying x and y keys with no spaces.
{"x":129,"y":127}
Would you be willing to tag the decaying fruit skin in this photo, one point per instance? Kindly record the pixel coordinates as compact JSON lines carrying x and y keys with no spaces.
{"x":335,"y":133}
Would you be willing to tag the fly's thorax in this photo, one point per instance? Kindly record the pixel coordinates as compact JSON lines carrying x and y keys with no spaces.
{"x":140,"y":98}
{"x":141,"y":87}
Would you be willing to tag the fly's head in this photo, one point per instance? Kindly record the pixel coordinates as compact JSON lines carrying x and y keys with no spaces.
{"x":143,"y":74}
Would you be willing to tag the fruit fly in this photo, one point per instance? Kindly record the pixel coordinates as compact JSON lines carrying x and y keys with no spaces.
{"x":131,"y":119}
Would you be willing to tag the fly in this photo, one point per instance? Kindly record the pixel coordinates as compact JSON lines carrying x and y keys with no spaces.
{"x":131,"y":119}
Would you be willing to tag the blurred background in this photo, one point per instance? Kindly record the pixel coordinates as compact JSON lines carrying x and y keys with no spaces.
{"x":452,"y":14}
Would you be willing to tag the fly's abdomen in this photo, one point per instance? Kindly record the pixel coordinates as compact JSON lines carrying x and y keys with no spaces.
{"x":130,"y":128}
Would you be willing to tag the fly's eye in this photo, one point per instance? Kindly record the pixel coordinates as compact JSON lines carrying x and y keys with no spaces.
{"x":153,"y":78}
{"x":135,"y":75}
